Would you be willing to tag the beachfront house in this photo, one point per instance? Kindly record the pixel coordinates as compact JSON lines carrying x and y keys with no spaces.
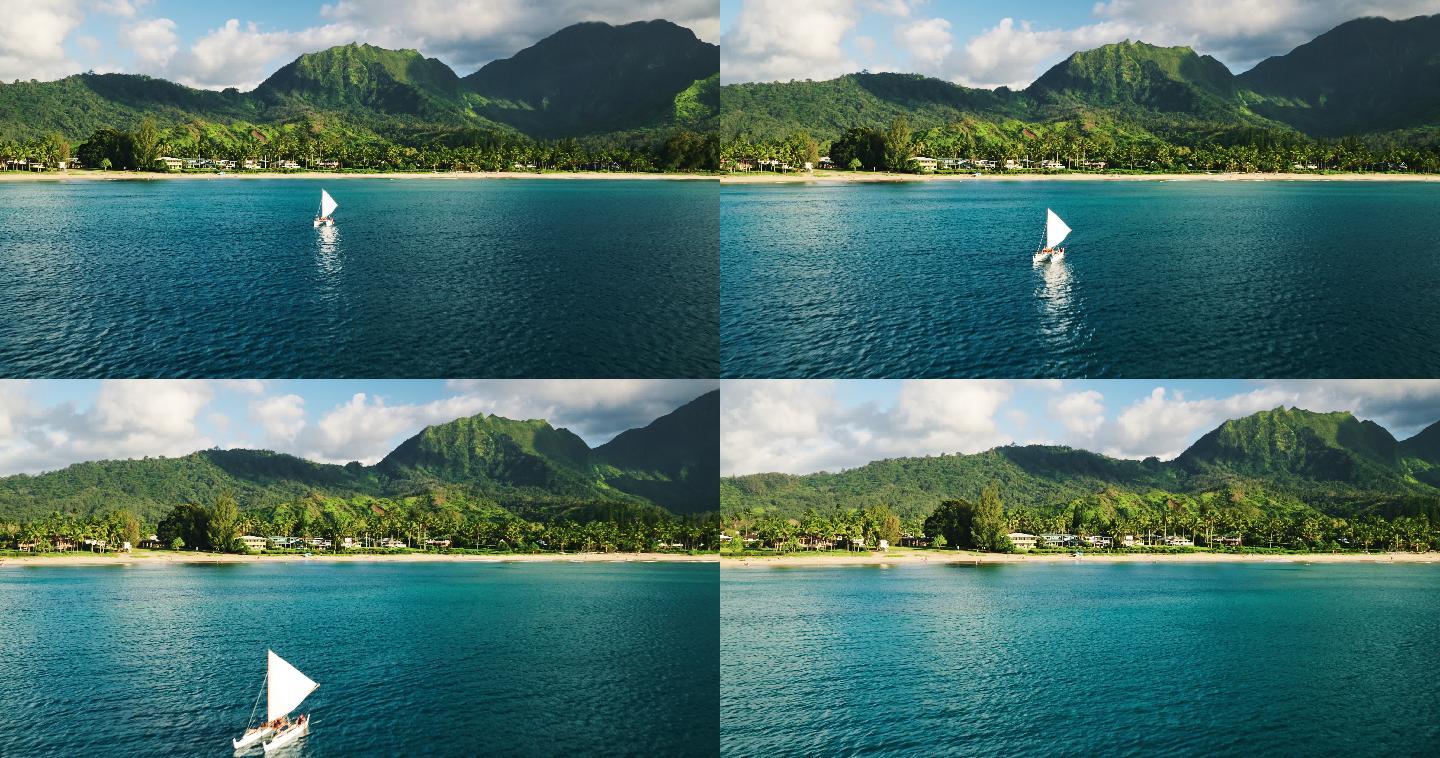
{"x":151,"y":542}
{"x":391,"y":543}
{"x":1022,"y":541}
{"x":1128,"y":540}
{"x":441,"y":544}
{"x":169,"y":164}
{"x":914,"y":540}
{"x":825,"y":162}
{"x":924,"y":165}
{"x":1052,"y":165}
{"x":1059,"y":540}
{"x":253,"y":543}
{"x":1227,"y":541}
{"x":983,"y":163}
{"x":1099,"y":540}
{"x":1179,"y":542}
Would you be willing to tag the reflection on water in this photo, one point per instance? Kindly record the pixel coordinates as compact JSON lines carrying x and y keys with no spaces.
{"x":1058,"y":317}
{"x":328,"y":250}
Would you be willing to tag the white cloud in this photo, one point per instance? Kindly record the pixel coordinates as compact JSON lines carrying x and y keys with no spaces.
{"x":1080,"y":412}
{"x":152,"y":41}
{"x":32,"y":43}
{"x":927,"y":41}
{"x":281,"y":416}
{"x":121,"y":8}
{"x":778,"y":40}
{"x":800,"y":426}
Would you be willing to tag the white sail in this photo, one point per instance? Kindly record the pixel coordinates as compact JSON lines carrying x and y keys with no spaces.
{"x":286,"y":687}
{"x":1055,"y":230}
{"x":327,"y":204}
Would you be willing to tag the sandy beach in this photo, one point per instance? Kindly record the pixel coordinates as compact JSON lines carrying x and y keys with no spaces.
{"x":967,"y":557}
{"x":167,"y":557}
{"x":862,"y":177}
{"x":117,"y":176}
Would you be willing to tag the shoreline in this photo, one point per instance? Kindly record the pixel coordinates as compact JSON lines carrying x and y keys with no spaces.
{"x":973,"y":558}
{"x":145,"y":176}
{"x":866,"y":177}
{"x":167,"y":558}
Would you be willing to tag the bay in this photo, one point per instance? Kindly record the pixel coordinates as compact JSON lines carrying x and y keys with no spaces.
{"x":1186,"y":279}
{"x":412,"y":659}
{"x":1061,"y":659}
{"x":419,"y":278}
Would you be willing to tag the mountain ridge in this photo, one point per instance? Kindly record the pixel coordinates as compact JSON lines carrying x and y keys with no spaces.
{"x":1331,"y":461}
{"x":526,"y":466}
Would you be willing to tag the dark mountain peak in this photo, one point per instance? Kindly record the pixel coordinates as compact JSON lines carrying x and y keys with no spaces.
{"x":1139,"y":74}
{"x":1425,"y":445}
{"x":1366,"y":74}
{"x":594,"y":77}
{"x":674,"y":460}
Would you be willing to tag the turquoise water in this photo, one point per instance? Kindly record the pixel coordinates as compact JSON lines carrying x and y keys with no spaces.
{"x":420,"y":278}
{"x":420,"y":659}
{"x":1133,"y":659}
{"x":1162,"y":279}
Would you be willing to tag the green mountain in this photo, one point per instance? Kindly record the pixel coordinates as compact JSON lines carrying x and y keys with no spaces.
{"x":1366,"y":75}
{"x":1370,"y":77}
{"x":1278,"y":459}
{"x":585,"y":80}
{"x":674,"y":461}
{"x":364,"y":79}
{"x":592,"y":78}
{"x":528,"y":467}
{"x":1140,"y":76}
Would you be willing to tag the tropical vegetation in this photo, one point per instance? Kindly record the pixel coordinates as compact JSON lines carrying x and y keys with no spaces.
{"x":1361,"y":97}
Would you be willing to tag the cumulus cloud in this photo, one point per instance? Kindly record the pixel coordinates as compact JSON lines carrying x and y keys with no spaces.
{"x":281,"y":416}
{"x":778,"y":40}
{"x":32,"y":45}
{"x":153,"y":42}
{"x":1081,"y":413}
{"x":927,"y":41}
{"x":800,"y":426}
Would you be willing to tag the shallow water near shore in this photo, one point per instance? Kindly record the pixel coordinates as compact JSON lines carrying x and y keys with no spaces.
{"x":1162,"y":279}
{"x":227,"y":277}
{"x":1116,"y":659}
{"x":412,"y":659}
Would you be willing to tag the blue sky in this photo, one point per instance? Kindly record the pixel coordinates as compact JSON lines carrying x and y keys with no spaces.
{"x":48,"y":424}
{"x":219,"y":44}
{"x":816,"y":425}
{"x":988,"y":44}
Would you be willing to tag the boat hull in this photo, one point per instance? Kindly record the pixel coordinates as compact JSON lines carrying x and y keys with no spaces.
{"x":251,"y":737}
{"x":319,"y":223}
{"x":288,"y":736}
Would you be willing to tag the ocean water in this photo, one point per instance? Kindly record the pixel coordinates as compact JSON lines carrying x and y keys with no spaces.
{"x":417,"y":659}
{"x":1061,"y":659}
{"x":1161,"y":279}
{"x":228,"y":278}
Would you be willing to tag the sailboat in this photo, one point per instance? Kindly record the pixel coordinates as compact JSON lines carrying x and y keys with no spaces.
{"x":1055,"y":233}
{"x":327,"y":207}
{"x":285,"y":689}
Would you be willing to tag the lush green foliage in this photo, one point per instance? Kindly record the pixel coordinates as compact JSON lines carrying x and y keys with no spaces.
{"x":568,"y":103}
{"x":1284,"y":476}
{"x":527,"y":468}
{"x":1361,"y":97}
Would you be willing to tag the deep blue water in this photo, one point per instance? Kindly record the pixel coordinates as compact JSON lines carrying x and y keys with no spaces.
{"x":1162,"y":279}
{"x":1131,"y":659}
{"x":420,"y":659}
{"x":421,"y":278}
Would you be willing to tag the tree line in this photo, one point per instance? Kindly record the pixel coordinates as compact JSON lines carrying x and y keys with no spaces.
{"x":985,"y":523}
{"x":310,"y":142}
{"x":416,"y":522}
{"x":1078,"y":147}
